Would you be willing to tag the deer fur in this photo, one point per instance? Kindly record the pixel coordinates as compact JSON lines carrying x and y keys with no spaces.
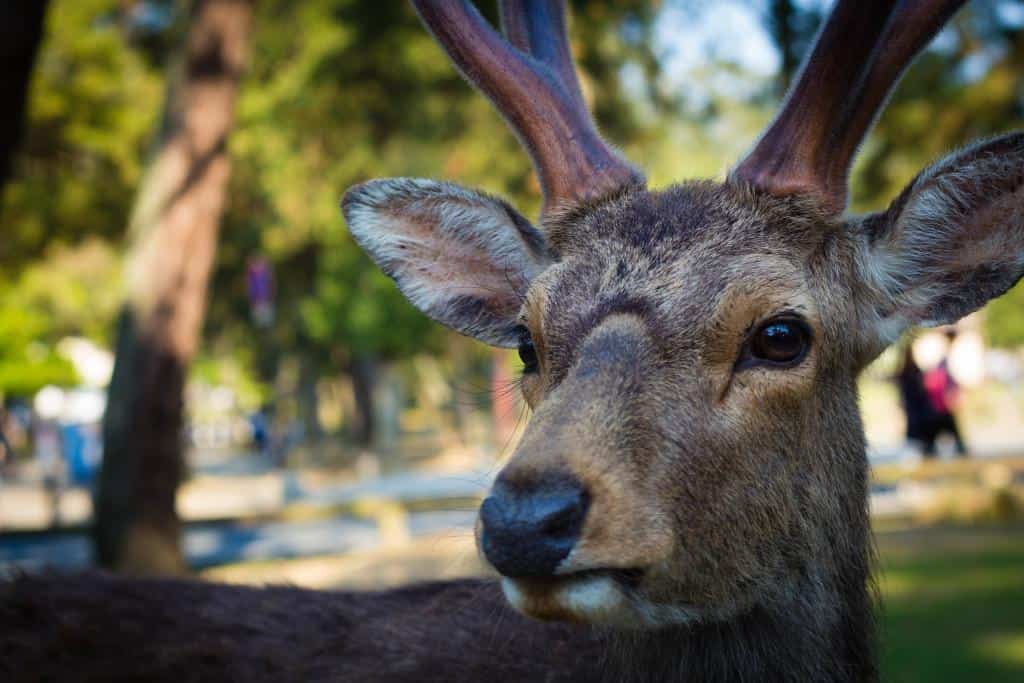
{"x":95,"y":628}
{"x":722,"y":492}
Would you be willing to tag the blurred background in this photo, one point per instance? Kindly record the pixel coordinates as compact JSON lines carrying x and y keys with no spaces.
{"x":201,"y":373}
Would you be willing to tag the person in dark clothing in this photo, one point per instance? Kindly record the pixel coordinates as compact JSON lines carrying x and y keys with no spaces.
{"x":914,"y":399}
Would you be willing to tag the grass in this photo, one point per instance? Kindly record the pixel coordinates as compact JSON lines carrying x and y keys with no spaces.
{"x":953,"y":604}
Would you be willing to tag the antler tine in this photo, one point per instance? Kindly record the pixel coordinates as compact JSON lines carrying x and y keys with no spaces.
{"x":530,"y":90}
{"x":858,"y":57}
{"x":538,"y":28}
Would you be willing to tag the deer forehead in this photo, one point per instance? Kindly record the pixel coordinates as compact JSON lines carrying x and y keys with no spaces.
{"x":693,"y":262}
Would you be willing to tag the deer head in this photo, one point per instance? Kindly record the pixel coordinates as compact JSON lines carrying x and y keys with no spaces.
{"x":695,"y":448}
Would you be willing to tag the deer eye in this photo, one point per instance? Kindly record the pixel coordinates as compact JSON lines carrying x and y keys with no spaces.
{"x":527,"y":352}
{"x":781,"y":341}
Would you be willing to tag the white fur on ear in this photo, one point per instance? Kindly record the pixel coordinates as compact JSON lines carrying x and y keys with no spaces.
{"x":462,"y":257}
{"x":953,"y":240}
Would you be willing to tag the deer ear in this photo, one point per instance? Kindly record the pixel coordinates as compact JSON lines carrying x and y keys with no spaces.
{"x":951,"y":241}
{"x":462,"y":257}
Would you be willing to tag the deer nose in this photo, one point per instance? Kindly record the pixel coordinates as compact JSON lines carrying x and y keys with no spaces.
{"x":527,"y":531}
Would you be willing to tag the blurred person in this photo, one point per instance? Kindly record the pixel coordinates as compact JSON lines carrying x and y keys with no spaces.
{"x":15,"y":428}
{"x":50,"y":457}
{"x":916,"y":403}
{"x":943,"y":395}
{"x":6,"y":452}
{"x":260,"y":429}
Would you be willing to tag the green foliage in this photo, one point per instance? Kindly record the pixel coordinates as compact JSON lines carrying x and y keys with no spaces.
{"x":966,"y":87}
{"x":77,"y":289}
{"x":27,"y":364}
{"x":70,"y":292}
{"x":231,"y":370}
{"x":1004,"y":319}
{"x":92,"y":109}
{"x":341,"y":91}
{"x":36,"y":368}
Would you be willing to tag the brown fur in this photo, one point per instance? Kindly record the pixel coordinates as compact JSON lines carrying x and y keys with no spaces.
{"x":98,"y":628}
{"x":716,"y":483}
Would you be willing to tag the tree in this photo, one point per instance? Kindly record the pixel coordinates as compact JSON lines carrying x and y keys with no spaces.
{"x":173,"y":231}
{"x":21,"y":31}
{"x":346,"y":90}
{"x":93,"y":104}
{"x":792,"y":29}
{"x":92,"y":98}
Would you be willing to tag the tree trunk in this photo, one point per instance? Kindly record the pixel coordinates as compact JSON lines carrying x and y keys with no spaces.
{"x":21,"y":32}
{"x":781,"y":25}
{"x":364,"y":376}
{"x":174,"y":236}
{"x":309,"y":399}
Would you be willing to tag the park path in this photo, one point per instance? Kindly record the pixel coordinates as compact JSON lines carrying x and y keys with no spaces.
{"x":331,"y":519}
{"x":267,"y":515}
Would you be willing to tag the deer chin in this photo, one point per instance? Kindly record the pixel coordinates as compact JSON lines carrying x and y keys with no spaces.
{"x":606,"y":597}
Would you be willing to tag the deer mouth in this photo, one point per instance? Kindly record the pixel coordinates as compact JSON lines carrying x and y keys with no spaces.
{"x":591,"y":595}
{"x":627,"y":578}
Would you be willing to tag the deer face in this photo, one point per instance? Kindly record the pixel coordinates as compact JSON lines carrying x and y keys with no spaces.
{"x":690,"y":355}
{"x":689,"y":358}
{"x":685,"y":353}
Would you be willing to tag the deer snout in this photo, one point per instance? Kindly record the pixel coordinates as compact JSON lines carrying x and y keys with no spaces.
{"x":527,"y":530}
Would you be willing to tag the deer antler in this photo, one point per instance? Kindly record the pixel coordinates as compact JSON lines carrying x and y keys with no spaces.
{"x":531,"y":80}
{"x":857,"y":58}
{"x":538,"y":29}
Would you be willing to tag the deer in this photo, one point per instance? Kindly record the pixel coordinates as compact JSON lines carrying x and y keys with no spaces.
{"x":689,"y":499}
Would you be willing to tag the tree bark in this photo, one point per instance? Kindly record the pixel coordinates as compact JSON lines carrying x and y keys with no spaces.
{"x":174,"y":237}
{"x":309,"y":399}
{"x":21,"y":32}
{"x":363,"y":371}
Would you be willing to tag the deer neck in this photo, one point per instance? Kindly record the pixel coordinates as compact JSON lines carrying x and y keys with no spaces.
{"x":823,"y":632}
